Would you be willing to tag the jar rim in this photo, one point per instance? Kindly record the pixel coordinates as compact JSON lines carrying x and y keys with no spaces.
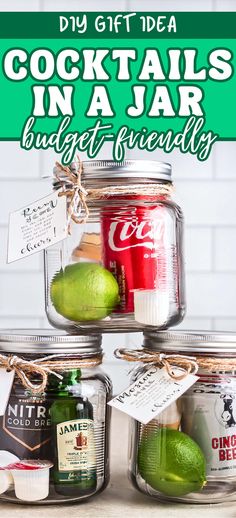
{"x":108,"y":169}
{"x":214,"y":342}
{"x":48,"y":341}
{"x":154,"y":169}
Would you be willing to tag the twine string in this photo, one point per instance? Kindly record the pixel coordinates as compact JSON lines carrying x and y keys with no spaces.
{"x":173,"y":362}
{"x":42,"y":367}
{"x":69,"y":178}
{"x":76,"y":195}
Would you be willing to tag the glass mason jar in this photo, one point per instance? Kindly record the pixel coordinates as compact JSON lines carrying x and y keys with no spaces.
{"x":188,"y":452}
{"x":54,"y":441}
{"x":122,"y":268}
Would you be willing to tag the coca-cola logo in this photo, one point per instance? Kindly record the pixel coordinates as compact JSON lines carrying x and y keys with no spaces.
{"x":124,"y":235}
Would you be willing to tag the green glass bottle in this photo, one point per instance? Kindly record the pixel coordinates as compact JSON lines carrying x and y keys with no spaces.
{"x":74,"y":471}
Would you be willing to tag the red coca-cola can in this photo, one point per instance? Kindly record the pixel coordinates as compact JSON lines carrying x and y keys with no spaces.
{"x":134,"y":248}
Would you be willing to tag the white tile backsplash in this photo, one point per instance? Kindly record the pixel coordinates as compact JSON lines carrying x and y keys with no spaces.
{"x":204,"y":324}
{"x":49,"y":157}
{"x":224,"y":5}
{"x":16,"y":162}
{"x":170,"y":5}
{"x":224,"y":159}
{"x":22,"y":295}
{"x":29,"y":264}
{"x":119,"y":373}
{"x":208,"y":203}
{"x":19,"y":193}
{"x":211,"y":295}
{"x":225,"y":249}
{"x":110,"y":342}
{"x":20,"y":323}
{"x":224,"y":324}
{"x":80,"y":5}
{"x":198,"y":249}
{"x":20,"y":5}
{"x":184,"y":167}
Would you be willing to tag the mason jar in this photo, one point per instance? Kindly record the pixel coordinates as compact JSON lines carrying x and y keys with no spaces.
{"x":54,"y":434}
{"x":121,"y":267}
{"x":188,"y":452}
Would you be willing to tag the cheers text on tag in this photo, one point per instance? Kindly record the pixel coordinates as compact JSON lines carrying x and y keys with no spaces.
{"x":151,"y":393}
{"x":37,"y":226}
{"x":6,"y":382}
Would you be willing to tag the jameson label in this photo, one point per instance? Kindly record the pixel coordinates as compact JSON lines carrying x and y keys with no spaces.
{"x":25,"y":428}
{"x":76,"y":446}
{"x":209,"y":417}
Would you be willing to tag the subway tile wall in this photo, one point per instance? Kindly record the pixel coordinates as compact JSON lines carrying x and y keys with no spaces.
{"x":206,"y":192}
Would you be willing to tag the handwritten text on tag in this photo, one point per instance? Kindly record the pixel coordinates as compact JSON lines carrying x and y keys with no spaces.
{"x":151,"y":393}
{"x":37,"y":226}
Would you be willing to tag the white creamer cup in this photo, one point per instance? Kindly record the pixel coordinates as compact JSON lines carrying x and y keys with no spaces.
{"x":6,"y":478}
{"x":32,"y":485}
{"x":151,"y":307}
{"x":6,"y":481}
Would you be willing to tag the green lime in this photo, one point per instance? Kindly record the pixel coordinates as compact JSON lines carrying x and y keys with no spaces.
{"x":171,"y":462}
{"x":84,"y":291}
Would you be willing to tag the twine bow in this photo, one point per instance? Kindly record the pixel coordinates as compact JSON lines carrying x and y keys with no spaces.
{"x":42,"y":367}
{"x":69,"y":177}
{"x":172,"y":362}
{"x":76,"y":195}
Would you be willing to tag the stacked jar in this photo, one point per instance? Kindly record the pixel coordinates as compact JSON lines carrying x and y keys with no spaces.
{"x":188,"y":452}
{"x":119,"y":270}
{"x":54,"y":431}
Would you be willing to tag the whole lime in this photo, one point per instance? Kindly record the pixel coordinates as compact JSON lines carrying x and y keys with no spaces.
{"x":84,"y":291}
{"x":171,"y":462}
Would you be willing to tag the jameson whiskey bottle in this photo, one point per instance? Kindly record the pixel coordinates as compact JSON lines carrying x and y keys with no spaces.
{"x":74,"y":471}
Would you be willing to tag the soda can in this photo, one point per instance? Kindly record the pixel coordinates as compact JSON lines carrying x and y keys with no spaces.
{"x":209,"y":417}
{"x":137,"y":248}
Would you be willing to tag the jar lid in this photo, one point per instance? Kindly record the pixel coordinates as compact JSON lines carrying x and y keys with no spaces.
{"x":48,"y":341}
{"x":109,"y":169}
{"x":152,"y":169}
{"x":216,"y":343}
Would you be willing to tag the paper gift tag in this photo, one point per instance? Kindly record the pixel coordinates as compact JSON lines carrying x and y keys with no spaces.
{"x":152,"y":393}
{"x":6,"y":382}
{"x":37,"y":226}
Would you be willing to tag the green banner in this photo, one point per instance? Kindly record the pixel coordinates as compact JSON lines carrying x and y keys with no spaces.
{"x":144,"y":25}
{"x":72,"y":81}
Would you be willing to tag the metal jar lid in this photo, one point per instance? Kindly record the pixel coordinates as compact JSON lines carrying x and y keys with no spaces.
{"x":109,"y":169}
{"x":127,"y":169}
{"x":37,"y":341}
{"x":215,"y":343}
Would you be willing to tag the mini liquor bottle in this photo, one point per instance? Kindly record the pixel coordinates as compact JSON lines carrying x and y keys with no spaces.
{"x":74,"y":471}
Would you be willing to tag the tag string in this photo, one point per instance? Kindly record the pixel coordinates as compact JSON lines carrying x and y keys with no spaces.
{"x":188,"y":364}
{"x":76,"y":194}
{"x":69,"y":178}
{"x":42,"y":367}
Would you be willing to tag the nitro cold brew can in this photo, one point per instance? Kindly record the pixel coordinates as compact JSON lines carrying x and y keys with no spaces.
{"x":209,"y":417}
{"x":25,"y":428}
